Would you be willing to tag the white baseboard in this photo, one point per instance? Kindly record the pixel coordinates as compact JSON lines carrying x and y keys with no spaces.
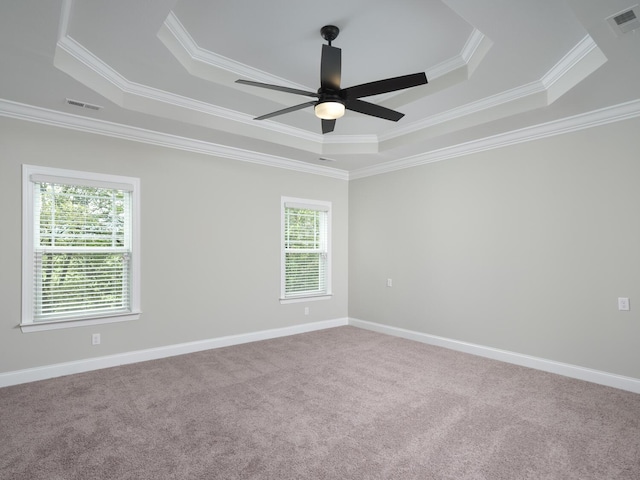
{"x":573,"y":371}
{"x":79,"y":366}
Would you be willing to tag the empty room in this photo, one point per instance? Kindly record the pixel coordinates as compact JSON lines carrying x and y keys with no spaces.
{"x":302,"y":240}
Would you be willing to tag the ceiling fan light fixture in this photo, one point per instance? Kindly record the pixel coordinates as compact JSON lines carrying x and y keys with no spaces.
{"x":329,"y":110}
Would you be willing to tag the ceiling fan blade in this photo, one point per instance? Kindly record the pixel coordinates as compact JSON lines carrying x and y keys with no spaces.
{"x":384,"y":86}
{"x":330,"y":67}
{"x":277,"y":87}
{"x":286,"y":110}
{"x":328,"y":125}
{"x":372,"y":109}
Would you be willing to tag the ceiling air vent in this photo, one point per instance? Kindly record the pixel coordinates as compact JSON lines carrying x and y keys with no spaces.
{"x":89,"y":106}
{"x":624,"y":22}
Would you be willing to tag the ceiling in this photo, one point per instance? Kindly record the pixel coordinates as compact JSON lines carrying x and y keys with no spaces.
{"x":164,"y":71}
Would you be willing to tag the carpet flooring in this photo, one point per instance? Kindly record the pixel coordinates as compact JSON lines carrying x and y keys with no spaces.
{"x":342,"y":403}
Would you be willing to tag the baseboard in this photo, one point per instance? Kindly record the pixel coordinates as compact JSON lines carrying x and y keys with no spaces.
{"x":573,"y":371}
{"x":79,"y":366}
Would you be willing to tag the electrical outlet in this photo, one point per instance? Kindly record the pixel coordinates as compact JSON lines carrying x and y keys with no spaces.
{"x":623,"y":303}
{"x":306,"y":310}
{"x":389,"y":282}
{"x":95,"y":339}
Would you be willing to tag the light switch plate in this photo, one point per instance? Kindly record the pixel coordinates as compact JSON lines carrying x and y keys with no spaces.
{"x":623,"y":303}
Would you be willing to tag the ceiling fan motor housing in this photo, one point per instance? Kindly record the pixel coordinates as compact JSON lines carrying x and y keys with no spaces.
{"x":325,"y":95}
{"x":329,"y":33}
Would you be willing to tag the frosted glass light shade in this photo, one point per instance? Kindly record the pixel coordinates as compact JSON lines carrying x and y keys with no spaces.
{"x":329,"y":110}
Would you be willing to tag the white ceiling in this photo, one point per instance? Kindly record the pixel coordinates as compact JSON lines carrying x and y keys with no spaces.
{"x":499,"y":71}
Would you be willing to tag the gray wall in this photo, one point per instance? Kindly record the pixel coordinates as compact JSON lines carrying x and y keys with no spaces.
{"x":210,"y":244}
{"x":524,"y":248}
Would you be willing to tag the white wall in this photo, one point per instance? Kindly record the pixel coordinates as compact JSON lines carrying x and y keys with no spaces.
{"x":210,"y":244}
{"x":524,"y":248}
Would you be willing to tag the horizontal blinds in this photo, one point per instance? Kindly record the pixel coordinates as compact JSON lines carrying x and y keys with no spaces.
{"x":304,"y":229}
{"x":68,"y":284}
{"x":73,"y":216}
{"x":82,"y":254}
{"x":305,"y":273}
{"x":305,"y":239}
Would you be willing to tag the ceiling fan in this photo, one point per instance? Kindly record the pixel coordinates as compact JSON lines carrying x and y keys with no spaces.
{"x":331,"y":99}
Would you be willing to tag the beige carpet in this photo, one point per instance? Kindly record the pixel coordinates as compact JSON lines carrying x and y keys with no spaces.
{"x":341,"y":404}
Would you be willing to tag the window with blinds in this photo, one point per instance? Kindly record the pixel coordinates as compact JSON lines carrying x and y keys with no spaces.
{"x":83,"y":264}
{"x":305,"y":239}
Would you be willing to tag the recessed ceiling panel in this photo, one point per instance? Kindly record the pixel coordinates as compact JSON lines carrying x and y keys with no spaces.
{"x":378,"y":38}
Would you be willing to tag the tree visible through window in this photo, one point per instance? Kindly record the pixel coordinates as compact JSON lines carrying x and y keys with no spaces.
{"x":81,"y":251}
{"x":306,"y":262}
{"x":81,"y":248}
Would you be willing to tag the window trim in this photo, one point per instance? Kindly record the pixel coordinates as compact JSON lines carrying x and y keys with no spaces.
{"x":28,"y":231}
{"x":312,"y":205}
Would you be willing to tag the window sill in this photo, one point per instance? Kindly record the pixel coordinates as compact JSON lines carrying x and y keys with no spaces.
{"x":310,"y":298}
{"x":79,"y":322}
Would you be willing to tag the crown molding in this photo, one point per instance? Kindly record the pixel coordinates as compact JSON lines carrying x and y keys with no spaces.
{"x":585,"y":58}
{"x":54,"y":118}
{"x":198,"y":54}
{"x":583,"y":48}
{"x":575,"y":123}
{"x":585,"y":52}
{"x":482,"y":105}
{"x":82,"y":64}
{"x":86,"y":59}
{"x":351,"y":139}
{"x":616,"y":113}
{"x":471,"y":47}
{"x":181,"y":44}
{"x":177,"y":30}
{"x":462,"y":60}
{"x":563,"y":69}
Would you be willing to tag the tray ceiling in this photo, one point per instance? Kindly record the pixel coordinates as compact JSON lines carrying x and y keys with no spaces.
{"x":164,"y":71}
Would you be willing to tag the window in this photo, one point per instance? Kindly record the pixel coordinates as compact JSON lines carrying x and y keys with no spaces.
{"x":306,"y":262}
{"x":80,"y":248}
